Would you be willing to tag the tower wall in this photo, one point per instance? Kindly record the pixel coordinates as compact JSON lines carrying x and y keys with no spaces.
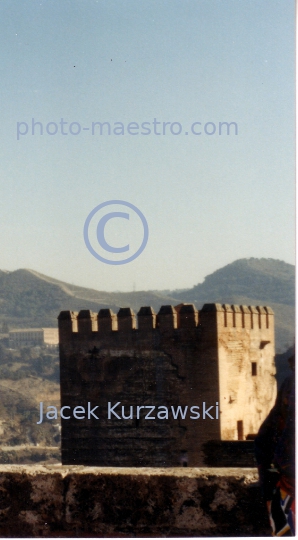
{"x":246,"y":365}
{"x":177,"y":357}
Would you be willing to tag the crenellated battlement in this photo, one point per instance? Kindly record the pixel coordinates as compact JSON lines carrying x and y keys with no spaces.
{"x":169,"y":318}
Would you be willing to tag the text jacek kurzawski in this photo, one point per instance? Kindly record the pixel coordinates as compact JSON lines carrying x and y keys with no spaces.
{"x":128,"y":412}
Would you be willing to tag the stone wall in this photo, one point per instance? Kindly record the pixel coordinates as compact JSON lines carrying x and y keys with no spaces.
{"x":220,"y":359}
{"x":37,"y":501}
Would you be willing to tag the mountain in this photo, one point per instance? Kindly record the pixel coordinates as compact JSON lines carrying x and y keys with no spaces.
{"x":30,"y":299}
{"x":267,"y":279}
{"x":253,"y":282}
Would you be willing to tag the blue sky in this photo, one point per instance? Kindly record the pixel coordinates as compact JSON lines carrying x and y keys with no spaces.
{"x":208,"y":199}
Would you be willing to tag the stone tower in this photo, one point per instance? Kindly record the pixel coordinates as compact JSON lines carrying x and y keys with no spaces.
{"x":217,"y":365}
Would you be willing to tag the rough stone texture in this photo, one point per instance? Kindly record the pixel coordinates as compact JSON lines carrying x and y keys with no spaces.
{"x":223,"y":453}
{"x":39,"y":501}
{"x":222,"y":354}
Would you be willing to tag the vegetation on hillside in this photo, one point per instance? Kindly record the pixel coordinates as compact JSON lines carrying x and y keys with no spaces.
{"x":253,"y":282}
{"x":30,"y":299}
{"x":268,"y":280}
{"x":28,"y":376}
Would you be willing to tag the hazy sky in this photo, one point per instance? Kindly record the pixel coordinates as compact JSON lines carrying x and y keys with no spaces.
{"x":208,"y":199}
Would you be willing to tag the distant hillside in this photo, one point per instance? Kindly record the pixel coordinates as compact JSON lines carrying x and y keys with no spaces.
{"x":253,"y":282}
{"x":30,"y":299}
{"x":267,"y":279}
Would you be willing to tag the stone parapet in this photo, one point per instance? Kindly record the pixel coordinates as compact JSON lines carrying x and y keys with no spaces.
{"x":85,"y":324}
{"x":57,"y":501}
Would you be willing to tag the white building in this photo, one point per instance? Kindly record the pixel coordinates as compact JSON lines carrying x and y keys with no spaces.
{"x":30,"y":337}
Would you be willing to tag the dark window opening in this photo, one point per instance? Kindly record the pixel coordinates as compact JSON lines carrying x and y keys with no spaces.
{"x":254,"y":369}
{"x":240,"y":430}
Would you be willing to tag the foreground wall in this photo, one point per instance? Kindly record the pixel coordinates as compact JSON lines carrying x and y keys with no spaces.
{"x":103,"y":502}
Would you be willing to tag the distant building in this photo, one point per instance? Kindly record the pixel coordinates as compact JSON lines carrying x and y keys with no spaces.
{"x":50,"y":336}
{"x":30,"y":337}
{"x":4,"y":339}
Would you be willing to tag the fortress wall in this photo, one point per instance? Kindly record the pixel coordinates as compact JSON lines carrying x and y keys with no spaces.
{"x":157,"y":364}
{"x":177,"y":357}
{"x":62,"y":502}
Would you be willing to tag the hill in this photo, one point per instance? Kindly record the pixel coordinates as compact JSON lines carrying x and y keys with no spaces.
{"x":253,"y":282}
{"x":30,"y":299}
{"x":267,"y":279}
{"x":28,"y":376}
